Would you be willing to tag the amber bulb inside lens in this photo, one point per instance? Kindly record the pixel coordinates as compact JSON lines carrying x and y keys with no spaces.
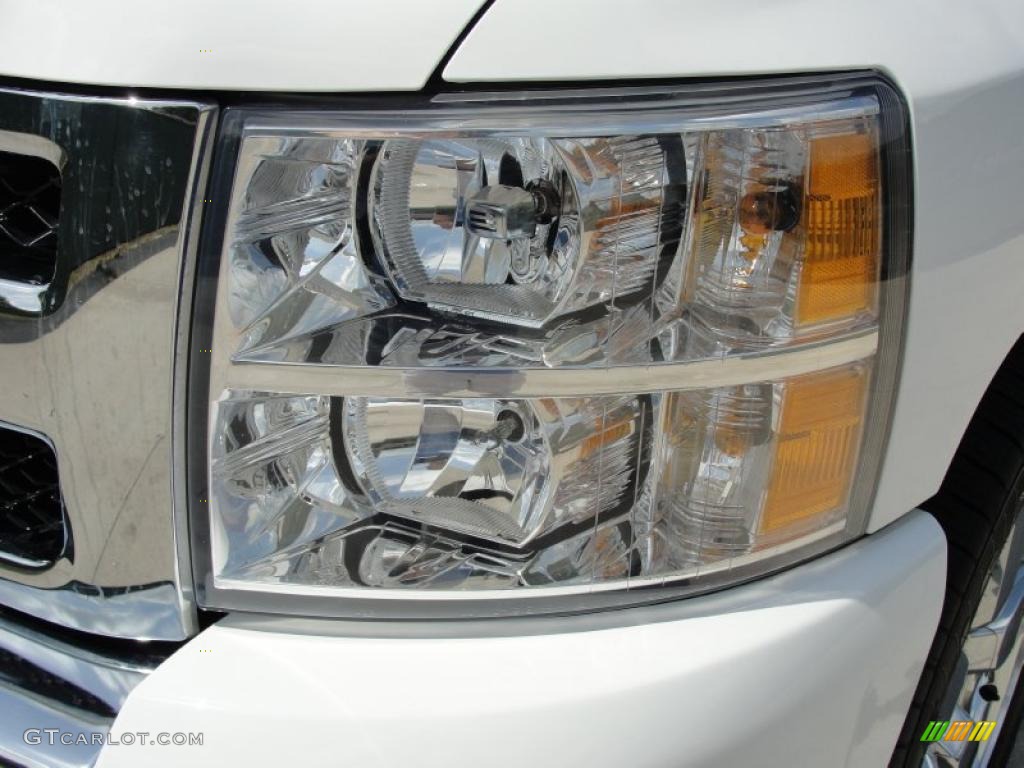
{"x":765,"y":210}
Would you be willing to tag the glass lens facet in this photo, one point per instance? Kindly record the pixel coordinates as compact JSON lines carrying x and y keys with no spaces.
{"x":489,"y":493}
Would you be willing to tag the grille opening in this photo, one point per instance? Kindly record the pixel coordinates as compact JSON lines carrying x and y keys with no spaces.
{"x":29,"y":214}
{"x":34,"y":531}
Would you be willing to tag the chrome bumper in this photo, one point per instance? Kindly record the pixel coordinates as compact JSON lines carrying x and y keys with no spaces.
{"x":47,"y":683}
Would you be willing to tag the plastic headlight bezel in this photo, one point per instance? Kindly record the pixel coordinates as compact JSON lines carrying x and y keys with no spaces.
{"x":621,"y":108}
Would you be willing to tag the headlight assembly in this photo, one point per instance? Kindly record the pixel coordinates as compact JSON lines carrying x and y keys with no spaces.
{"x":545,"y":352}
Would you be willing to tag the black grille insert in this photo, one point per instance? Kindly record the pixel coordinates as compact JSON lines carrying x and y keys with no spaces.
{"x":29,"y":215}
{"x":34,"y":530}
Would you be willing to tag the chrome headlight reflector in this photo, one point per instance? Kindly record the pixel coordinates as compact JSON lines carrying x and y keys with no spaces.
{"x":580,"y":348}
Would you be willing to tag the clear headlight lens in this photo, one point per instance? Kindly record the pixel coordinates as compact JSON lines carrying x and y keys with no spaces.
{"x":578,"y":347}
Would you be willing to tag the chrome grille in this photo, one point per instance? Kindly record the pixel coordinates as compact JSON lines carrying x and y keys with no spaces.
{"x":86,"y":356}
{"x":98,"y":196}
{"x":20,"y":673}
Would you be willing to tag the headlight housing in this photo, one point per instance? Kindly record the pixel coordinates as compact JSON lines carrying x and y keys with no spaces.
{"x":544,"y":352}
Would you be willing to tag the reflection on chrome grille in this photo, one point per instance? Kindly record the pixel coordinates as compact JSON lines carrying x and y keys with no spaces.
{"x":86,"y":359}
{"x":22,"y":674}
{"x":29,"y":213}
{"x":33,"y":526}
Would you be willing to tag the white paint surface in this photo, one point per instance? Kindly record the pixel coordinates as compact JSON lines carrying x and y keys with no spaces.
{"x":300,"y":45}
{"x":813,"y":667}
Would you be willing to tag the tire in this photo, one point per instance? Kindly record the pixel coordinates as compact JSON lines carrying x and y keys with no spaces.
{"x":976,"y":505}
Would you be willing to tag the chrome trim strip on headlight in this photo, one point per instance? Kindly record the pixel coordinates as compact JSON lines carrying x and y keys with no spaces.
{"x":381,"y":381}
{"x":550,"y":118}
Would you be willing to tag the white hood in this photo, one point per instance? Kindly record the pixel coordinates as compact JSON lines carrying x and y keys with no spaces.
{"x":298,"y":45}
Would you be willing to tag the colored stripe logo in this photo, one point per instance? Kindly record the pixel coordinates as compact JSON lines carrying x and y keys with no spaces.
{"x":958,"y":730}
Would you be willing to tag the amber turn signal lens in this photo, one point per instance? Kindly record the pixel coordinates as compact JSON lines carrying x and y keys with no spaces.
{"x":817,"y":449}
{"x":842,"y":205}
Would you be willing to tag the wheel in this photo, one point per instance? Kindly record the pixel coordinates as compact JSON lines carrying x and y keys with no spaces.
{"x":972,"y":670}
